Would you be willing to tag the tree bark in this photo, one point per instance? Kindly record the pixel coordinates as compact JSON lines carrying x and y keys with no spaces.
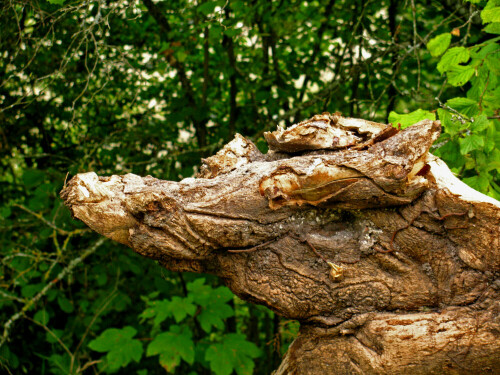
{"x":389,"y":262}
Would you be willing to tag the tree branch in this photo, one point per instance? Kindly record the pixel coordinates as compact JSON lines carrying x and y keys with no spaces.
{"x":228,"y":44}
{"x":162,"y":21}
{"x":68,"y":269}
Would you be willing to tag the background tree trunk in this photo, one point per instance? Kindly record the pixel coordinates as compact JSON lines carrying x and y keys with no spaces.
{"x":351,"y":227}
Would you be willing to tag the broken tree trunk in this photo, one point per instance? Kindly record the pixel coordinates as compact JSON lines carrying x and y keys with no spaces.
{"x":388,"y":261}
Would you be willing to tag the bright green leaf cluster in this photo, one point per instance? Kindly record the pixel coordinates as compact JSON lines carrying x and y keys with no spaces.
{"x":405,"y":120}
{"x":209,"y":308}
{"x":471,"y":129}
{"x":439,"y":44}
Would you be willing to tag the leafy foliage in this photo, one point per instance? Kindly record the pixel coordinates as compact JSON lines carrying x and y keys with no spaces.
{"x":151,"y":87}
{"x":233,"y":353}
{"x":471,"y":127}
{"x":119,"y":345}
{"x":172,"y":346}
{"x":406,"y":120}
{"x":213,"y":302}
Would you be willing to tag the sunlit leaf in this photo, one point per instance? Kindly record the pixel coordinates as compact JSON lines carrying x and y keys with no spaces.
{"x":459,"y":75}
{"x":479,"y":183}
{"x":439,"y":44}
{"x":464,"y":106}
{"x":493,"y":28}
{"x":410,"y":118}
{"x":470,"y":143}
{"x":453,"y":57}
{"x":491,"y":15}
{"x":480,"y":123}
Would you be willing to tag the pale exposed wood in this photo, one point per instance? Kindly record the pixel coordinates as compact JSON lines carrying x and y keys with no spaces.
{"x":388,"y":261}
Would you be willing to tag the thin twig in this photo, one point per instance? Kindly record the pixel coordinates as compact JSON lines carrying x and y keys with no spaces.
{"x":68,"y":269}
{"x":50,"y":332}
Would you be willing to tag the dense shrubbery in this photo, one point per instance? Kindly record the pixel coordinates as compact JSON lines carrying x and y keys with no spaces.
{"x":149,"y":88}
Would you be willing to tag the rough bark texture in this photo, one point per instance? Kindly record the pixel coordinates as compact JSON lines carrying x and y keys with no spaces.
{"x":388,"y":261}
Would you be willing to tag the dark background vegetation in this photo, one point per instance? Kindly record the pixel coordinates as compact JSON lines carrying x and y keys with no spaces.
{"x":150,"y":87}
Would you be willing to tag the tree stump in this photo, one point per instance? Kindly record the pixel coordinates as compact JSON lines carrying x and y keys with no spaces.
{"x":353,"y":228}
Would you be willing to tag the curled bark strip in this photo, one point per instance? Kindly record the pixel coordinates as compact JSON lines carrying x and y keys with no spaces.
{"x":328,"y":132}
{"x":344,"y":185}
{"x":235,"y":154}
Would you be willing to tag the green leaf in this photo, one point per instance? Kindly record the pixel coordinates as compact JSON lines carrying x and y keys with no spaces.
{"x":201,"y":293}
{"x":181,"y":308}
{"x":33,"y":177}
{"x":42,"y":317}
{"x":410,"y":118}
{"x":59,"y":364}
{"x":459,"y":75}
{"x":54,"y":332}
{"x":479,"y":183}
{"x":494,"y":160}
{"x":493,"y":63}
{"x":214,"y":315}
{"x":439,"y":44}
{"x":232,"y":32}
{"x":208,"y":7}
{"x":478,"y":84}
{"x":119,"y":345}
{"x":488,"y":48}
{"x":5,"y":212}
{"x":451,"y":125}
{"x":65,"y":304}
{"x":213,"y":302}
{"x":160,"y":310}
{"x":493,"y":28}
{"x":234,"y":352}
{"x":464,"y":106}
{"x":30,"y":290}
{"x":172,"y":346}
{"x":490,"y":15}
{"x":181,"y":55}
{"x":177,"y":307}
{"x":470,"y":143}
{"x":7,"y":357}
{"x":494,"y":190}
{"x":453,"y":57}
{"x":56,"y":2}
{"x":480,"y":123}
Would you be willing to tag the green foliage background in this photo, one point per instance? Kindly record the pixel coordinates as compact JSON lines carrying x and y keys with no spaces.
{"x":150,"y":87}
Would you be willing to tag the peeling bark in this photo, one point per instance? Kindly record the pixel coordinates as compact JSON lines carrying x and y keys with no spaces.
{"x":389,"y":262}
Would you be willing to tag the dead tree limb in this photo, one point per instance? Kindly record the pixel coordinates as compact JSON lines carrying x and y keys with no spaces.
{"x":389,"y":262}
